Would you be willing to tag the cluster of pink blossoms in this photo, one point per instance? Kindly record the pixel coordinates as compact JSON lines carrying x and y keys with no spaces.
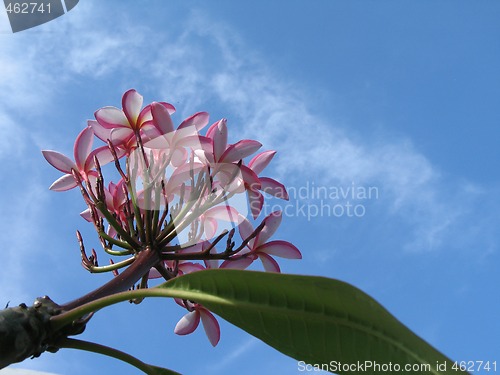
{"x":178,"y":195}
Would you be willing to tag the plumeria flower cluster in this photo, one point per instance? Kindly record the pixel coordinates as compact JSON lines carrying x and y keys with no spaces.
{"x":178,"y":199}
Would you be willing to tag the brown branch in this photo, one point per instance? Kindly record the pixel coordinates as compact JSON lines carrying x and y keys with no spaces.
{"x":126,"y":279}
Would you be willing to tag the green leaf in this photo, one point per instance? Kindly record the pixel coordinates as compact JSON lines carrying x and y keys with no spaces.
{"x":317,"y":320}
{"x":312,"y":319}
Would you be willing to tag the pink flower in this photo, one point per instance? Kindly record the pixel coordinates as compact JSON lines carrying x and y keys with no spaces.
{"x":259,"y":248}
{"x":211,"y":217}
{"x":183,"y":267}
{"x":162,"y":135}
{"x":223,"y":159}
{"x":121,"y":126}
{"x":189,"y":322}
{"x":83,"y":164}
{"x":224,"y":153}
{"x":266,"y":184}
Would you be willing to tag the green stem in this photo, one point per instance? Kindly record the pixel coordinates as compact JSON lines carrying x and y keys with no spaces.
{"x":170,"y":232}
{"x":122,"y":244}
{"x":112,"y":267}
{"x":117,"y":252}
{"x":112,"y":221}
{"x":132,"y":171}
{"x":67,"y":317}
{"x":110,"y":352}
{"x":187,"y":215}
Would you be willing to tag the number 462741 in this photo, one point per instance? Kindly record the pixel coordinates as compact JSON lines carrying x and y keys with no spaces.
{"x":475,"y":366}
{"x":27,"y":8}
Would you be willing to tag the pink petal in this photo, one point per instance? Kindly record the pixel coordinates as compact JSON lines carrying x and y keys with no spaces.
{"x":118,"y":194}
{"x":211,"y":130}
{"x":207,"y":158}
{"x":198,"y":120}
{"x":111,"y":231}
{"x":272,"y":222}
{"x":154,"y":274}
{"x":210,"y":227}
{"x":270,"y":265}
{"x":146,"y":115}
{"x":182,"y":175}
{"x":104,"y":156}
{"x":83,"y":146}
{"x":273,"y":187}
{"x":179,"y":157}
{"x":178,"y":301}
{"x":210,"y":325}
{"x":188,"y":323}
{"x":281,"y":249}
{"x":220,"y":138}
{"x":170,"y":108}
{"x":250,"y":177}
{"x":206,"y":143}
{"x":161,"y":118}
{"x":227,"y":176}
{"x":111,"y":117}
{"x":112,"y":187}
{"x":120,"y":136}
{"x":223,"y":212}
{"x":256,"y":201}
{"x":59,"y":161}
{"x":91,"y":180}
{"x":157,"y":141}
{"x":149,"y":131}
{"x":189,"y":267}
{"x":132,"y":103}
{"x":240,"y":150}
{"x":64,"y":183}
{"x":192,"y":140}
{"x":261,"y":161}
{"x":246,"y":229}
{"x":211,"y":263}
{"x":86,"y":215}
{"x":239,"y":264}
{"x":100,"y":131}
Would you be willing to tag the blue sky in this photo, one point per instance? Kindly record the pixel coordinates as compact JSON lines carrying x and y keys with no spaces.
{"x":399,"y":96}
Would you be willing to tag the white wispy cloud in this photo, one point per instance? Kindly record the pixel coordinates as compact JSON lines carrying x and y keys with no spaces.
{"x":21,"y":196}
{"x":234,"y":354}
{"x":23,"y":202}
{"x":263,"y":105}
{"x":10,"y":130}
{"x":102,"y":49}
